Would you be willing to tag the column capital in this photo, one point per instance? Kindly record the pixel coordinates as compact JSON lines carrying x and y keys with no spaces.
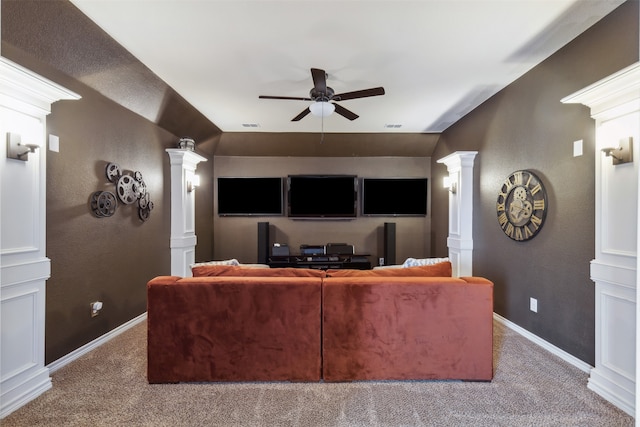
{"x":180,"y":156}
{"x":458,"y":159}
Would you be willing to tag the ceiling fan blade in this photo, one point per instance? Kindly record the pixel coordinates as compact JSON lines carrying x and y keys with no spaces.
{"x":301,"y":115}
{"x":344,"y":112}
{"x":359,"y":94}
{"x":295,"y":98}
{"x":319,"y":80}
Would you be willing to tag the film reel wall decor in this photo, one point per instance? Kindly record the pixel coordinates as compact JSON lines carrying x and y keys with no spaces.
{"x":130,"y":189}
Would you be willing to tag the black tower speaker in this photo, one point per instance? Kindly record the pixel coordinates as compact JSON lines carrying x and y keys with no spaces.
{"x":263,"y":243}
{"x":389,"y":243}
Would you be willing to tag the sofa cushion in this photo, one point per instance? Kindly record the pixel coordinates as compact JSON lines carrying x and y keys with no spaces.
{"x":415,"y":262}
{"x":441,"y":269}
{"x":386,"y":267}
{"x":231,"y":261}
{"x":240,"y":271}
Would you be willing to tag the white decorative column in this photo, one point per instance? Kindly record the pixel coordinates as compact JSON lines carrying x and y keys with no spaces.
{"x":25,"y":102}
{"x":460,"y":239}
{"x":183,"y":223}
{"x":615,"y":106}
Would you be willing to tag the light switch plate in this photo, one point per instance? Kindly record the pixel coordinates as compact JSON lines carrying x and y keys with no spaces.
{"x":54,"y":143}
{"x":577,"y":148}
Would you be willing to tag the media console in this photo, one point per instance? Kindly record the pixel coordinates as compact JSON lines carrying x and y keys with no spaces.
{"x":322,"y":261}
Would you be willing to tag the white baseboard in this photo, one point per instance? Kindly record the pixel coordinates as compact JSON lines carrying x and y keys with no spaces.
{"x":65,"y":360}
{"x":583,"y":366}
{"x":601,"y":382}
{"x":24,"y":392}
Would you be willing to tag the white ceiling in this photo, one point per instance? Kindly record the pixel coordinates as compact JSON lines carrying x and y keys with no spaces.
{"x":437,"y":60}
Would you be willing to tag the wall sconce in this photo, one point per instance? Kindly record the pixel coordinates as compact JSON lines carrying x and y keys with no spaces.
{"x":193,"y":183}
{"x":450,"y":184}
{"x":16,"y":149}
{"x":622,"y":153}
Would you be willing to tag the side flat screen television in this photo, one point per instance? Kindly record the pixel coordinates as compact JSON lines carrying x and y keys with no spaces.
{"x":260,"y":196}
{"x":394,"y":196}
{"x":322,"y":196}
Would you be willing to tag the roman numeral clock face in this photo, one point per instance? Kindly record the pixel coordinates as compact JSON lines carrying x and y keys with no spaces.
{"x":522,"y":205}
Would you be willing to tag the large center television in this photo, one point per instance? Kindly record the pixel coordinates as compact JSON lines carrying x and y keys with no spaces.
{"x":322,"y":196}
{"x":260,"y":196}
{"x":394,"y":196}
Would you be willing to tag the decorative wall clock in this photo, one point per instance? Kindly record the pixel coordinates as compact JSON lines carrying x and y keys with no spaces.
{"x":522,"y":205}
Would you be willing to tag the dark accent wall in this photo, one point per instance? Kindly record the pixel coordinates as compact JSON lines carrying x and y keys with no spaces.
{"x":127,"y":116}
{"x":101,"y":259}
{"x":525,"y":126}
{"x":236,"y":237}
{"x":293,"y":144}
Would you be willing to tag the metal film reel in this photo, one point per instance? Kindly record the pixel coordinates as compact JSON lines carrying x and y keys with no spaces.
{"x":103,"y":204}
{"x":127,"y":188}
{"x":145,"y":213}
{"x":130,"y":187}
{"x":143,"y":202}
{"x":140,"y":188}
{"x":113,"y":172}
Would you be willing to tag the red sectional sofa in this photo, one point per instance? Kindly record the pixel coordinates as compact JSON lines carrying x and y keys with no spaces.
{"x":283,"y":324}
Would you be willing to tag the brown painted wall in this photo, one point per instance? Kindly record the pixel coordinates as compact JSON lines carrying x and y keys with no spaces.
{"x":236,"y":237}
{"x":107,"y":259}
{"x":525,"y":126}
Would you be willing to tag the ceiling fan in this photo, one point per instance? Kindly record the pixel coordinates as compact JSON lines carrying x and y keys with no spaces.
{"x":324,"y":98}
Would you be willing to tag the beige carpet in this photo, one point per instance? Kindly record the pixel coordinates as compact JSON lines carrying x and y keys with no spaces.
{"x":108,"y":387}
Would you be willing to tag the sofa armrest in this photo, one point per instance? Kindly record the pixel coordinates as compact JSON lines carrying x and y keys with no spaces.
{"x":477,"y":280}
{"x":163,"y":280}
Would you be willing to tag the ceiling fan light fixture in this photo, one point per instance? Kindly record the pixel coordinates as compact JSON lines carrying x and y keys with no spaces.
{"x":322,"y":108}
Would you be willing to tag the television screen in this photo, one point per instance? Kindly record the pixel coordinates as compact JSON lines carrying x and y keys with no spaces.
{"x":323,"y":196}
{"x":394,"y":196}
{"x":250,"y":196}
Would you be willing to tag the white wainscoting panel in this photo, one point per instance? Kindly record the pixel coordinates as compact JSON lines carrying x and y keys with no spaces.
{"x":615,"y":105}
{"x":25,"y":101}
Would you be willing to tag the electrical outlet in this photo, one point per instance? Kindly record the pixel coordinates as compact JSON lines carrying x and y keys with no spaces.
{"x":533,"y":305}
{"x":381,"y":261}
{"x":95,"y":308}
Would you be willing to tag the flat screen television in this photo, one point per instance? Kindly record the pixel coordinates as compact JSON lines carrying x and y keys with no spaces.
{"x":322,"y":196}
{"x":259,"y":196}
{"x":394,"y":196}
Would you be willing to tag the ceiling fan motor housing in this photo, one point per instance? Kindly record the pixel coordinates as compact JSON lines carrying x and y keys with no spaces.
{"x":320,"y":96}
